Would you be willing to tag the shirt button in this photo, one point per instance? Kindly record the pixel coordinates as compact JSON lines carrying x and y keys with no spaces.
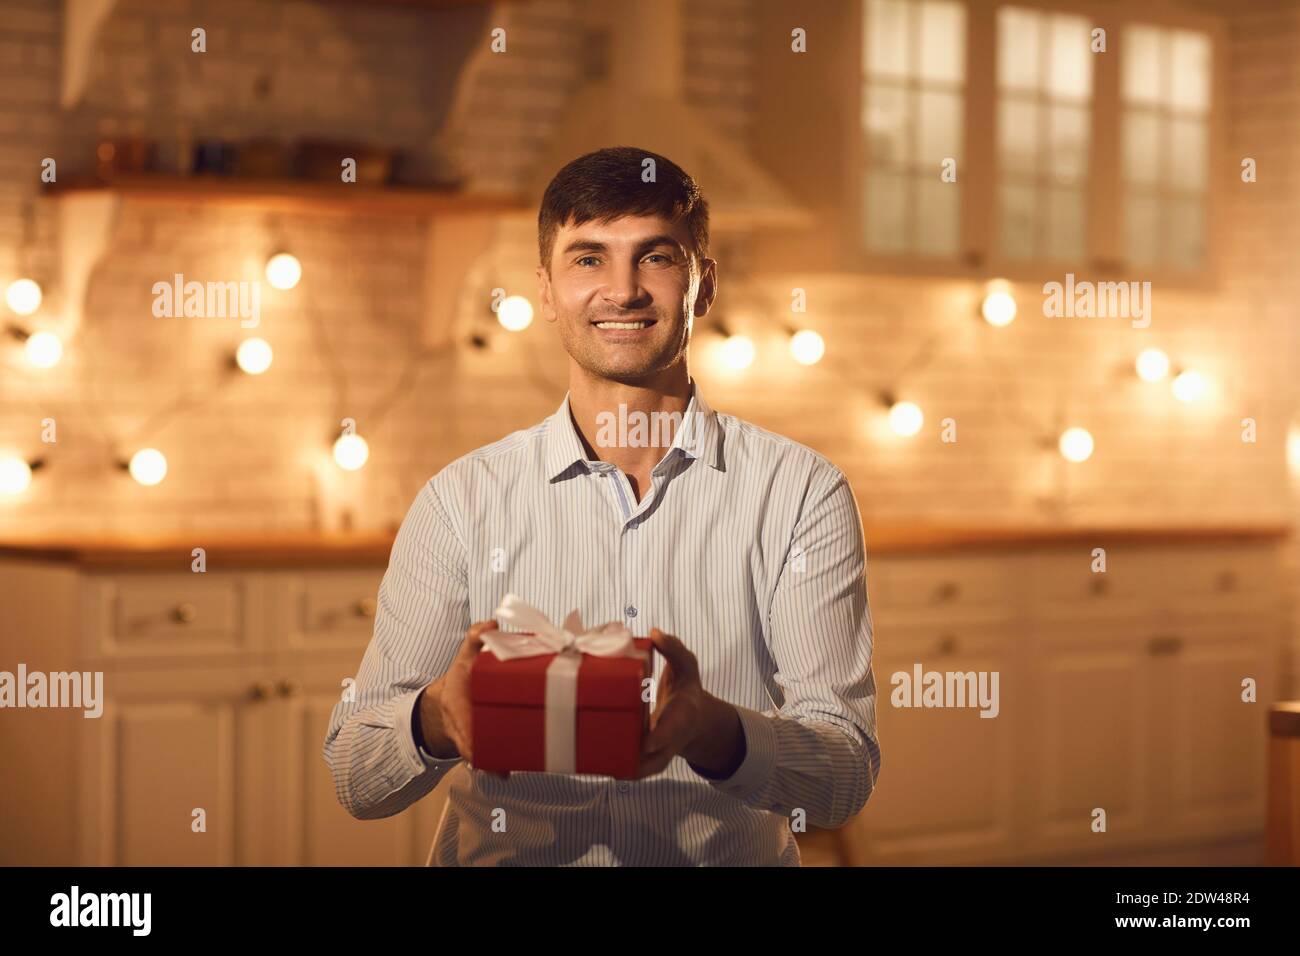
{"x":623,"y":788}
{"x":630,"y":611}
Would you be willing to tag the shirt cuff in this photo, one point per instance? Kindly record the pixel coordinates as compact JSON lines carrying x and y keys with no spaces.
{"x":760,"y":756}
{"x":417,"y":758}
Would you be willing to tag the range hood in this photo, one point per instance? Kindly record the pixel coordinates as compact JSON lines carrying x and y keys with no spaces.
{"x":638,"y":101}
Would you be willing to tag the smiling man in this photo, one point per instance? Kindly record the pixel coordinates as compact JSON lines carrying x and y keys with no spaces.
{"x":737,"y":550}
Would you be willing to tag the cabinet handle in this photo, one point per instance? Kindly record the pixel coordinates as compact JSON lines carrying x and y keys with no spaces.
{"x":1164,"y":645}
{"x":1227,"y":581}
{"x":1099,"y":586}
{"x":947,"y":645}
{"x":262,"y":690}
{"x":185,"y":613}
{"x":364,"y":607}
{"x":949,"y":590}
{"x":290,"y":688}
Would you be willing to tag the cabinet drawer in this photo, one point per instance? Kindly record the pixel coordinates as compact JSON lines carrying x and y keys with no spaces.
{"x":942,"y":587}
{"x":169,"y":615}
{"x":329,"y":609}
{"x":1063,"y":584}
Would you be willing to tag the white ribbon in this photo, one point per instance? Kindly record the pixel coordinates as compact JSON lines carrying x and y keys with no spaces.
{"x":568,"y":644}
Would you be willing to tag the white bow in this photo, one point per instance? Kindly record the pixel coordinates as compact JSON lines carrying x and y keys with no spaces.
{"x":608,"y":640}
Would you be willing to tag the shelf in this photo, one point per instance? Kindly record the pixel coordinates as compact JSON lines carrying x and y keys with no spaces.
{"x":291,"y":195}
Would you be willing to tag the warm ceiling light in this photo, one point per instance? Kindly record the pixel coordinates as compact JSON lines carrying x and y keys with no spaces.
{"x":807,"y":347}
{"x":148,"y":466}
{"x":905,"y":418}
{"x":1076,"y":444}
{"x":283,"y":270}
{"x":1152,"y":365}
{"x":1189,"y":385}
{"x":23,"y":296}
{"x":351,"y":451}
{"x":254,"y":356}
{"x":15,"y":476}
{"x":1293,"y":448}
{"x":738,"y":352}
{"x":43,"y":349}
{"x":515,"y":313}
{"x":999,"y":305}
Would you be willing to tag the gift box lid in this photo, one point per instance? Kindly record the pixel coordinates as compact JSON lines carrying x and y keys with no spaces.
{"x":606,"y":683}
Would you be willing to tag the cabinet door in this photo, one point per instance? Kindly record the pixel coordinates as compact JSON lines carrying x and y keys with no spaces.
{"x":169,"y":745}
{"x":946,"y":782}
{"x":1087,"y":737}
{"x":313,"y":828}
{"x":324,"y":612}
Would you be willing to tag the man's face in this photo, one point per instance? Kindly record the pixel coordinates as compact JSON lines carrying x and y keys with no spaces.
{"x":637,"y":272}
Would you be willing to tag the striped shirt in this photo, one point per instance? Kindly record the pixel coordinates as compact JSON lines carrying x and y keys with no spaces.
{"x":747,"y":546}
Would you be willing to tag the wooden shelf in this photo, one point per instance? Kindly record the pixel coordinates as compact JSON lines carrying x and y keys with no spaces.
{"x":291,"y":195}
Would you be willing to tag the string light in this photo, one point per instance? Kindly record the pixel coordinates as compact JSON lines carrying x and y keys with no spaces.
{"x":15,"y":476}
{"x":23,"y":296}
{"x":254,"y":355}
{"x":905,"y":418}
{"x":351,"y":451}
{"x":999,"y":305}
{"x":148,"y":466}
{"x":283,"y":271}
{"x":1189,"y":385}
{"x":1293,"y":448}
{"x":807,"y":347}
{"x":1152,"y":365}
{"x":515,"y":313}
{"x":1076,"y":444}
{"x":43,"y":349}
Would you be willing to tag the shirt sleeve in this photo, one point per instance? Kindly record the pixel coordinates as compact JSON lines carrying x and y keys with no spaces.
{"x":420,"y":621}
{"x":818,"y":750}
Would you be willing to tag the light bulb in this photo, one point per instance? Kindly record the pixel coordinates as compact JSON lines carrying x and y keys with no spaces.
{"x":515,"y":313}
{"x":148,"y":466}
{"x":43,"y":349}
{"x":254,"y":356}
{"x":15,"y":476}
{"x":283,"y":270}
{"x":1076,"y":444}
{"x":351,"y":452}
{"x":1293,"y":448}
{"x":1189,"y":385}
{"x":999,"y":307}
{"x":807,"y":347}
{"x":23,"y":296}
{"x":738,"y":352}
{"x":905,"y":418}
{"x":1152,"y":365}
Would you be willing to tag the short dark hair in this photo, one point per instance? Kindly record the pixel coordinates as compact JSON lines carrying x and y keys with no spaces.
{"x":606,"y":185}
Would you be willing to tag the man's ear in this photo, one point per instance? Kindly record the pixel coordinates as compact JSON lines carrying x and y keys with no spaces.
{"x":544,"y":300}
{"x":708,"y":288}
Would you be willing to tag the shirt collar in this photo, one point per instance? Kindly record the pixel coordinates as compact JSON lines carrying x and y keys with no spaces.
{"x":698,"y":436}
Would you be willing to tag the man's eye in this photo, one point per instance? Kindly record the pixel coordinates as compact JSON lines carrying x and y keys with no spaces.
{"x":660,"y":256}
{"x":585,"y":259}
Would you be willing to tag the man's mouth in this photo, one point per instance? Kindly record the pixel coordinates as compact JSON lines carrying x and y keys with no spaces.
{"x":632,"y":326}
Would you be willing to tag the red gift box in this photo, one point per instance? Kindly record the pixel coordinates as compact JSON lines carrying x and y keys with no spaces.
{"x":508,"y":700}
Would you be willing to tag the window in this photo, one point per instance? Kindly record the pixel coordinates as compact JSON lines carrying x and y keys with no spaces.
{"x":914,"y":56}
{"x":1165,"y":88}
{"x":1044,"y":104}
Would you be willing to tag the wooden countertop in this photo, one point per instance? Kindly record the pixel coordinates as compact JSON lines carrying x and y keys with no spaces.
{"x":372,"y":548}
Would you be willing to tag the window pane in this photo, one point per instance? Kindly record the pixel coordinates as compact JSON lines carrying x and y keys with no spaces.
{"x":1141,"y":65}
{"x":1184,"y":232}
{"x":886,"y":211}
{"x":1141,"y":227}
{"x":888,"y":38}
{"x":1068,"y":144}
{"x":1189,"y":71}
{"x":1018,"y":55}
{"x":1019,"y":208}
{"x":1066,"y":223}
{"x":889,"y":139}
{"x":943,"y":42}
{"x":937,"y":215}
{"x":1141,"y":147}
{"x":1070,"y":72}
{"x":941,"y":127}
{"x":1018,"y":136}
{"x":1187,"y":149}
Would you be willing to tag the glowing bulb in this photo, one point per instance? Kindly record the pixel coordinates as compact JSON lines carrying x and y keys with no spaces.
{"x":283,"y":270}
{"x":515,"y":313}
{"x":15,"y":476}
{"x":738,"y":352}
{"x":351,"y":452}
{"x":807,"y":347}
{"x":1189,"y":385}
{"x":905,"y":418}
{"x":999,"y":308}
{"x":254,"y":356}
{"x":44,"y":349}
{"x":148,"y":466}
{"x":23,"y":296}
{"x":1152,"y":365}
{"x":1076,"y":444}
{"x":1293,"y":448}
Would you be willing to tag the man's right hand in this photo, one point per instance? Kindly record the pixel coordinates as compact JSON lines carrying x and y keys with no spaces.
{"x":445,"y":711}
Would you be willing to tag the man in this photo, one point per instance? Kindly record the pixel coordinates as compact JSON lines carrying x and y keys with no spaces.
{"x":737,"y":551}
